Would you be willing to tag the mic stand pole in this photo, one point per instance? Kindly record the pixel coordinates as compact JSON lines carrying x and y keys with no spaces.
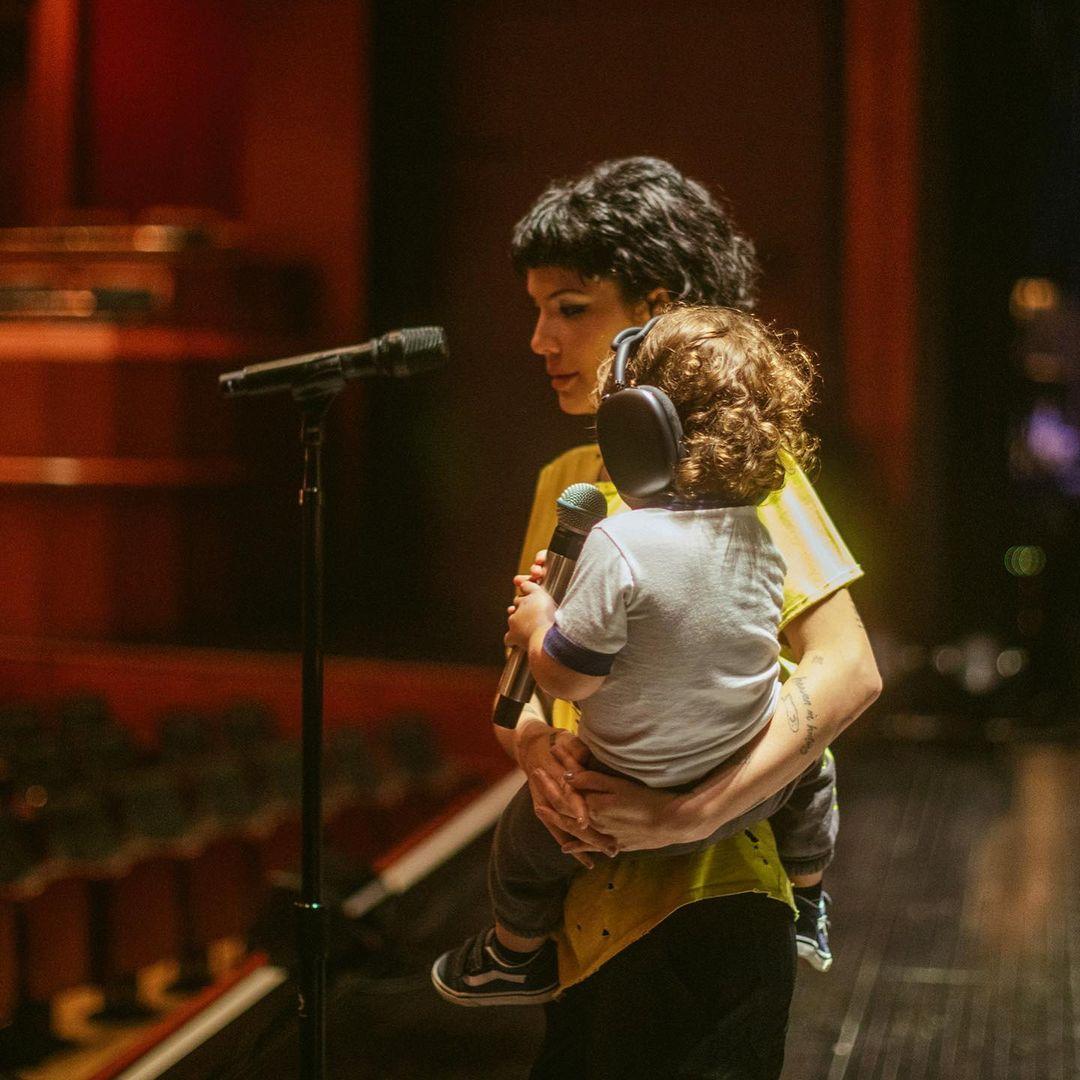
{"x":310,"y":912}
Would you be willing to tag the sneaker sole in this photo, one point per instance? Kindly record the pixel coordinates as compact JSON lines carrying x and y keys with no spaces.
{"x":809,"y":953}
{"x":517,"y":997}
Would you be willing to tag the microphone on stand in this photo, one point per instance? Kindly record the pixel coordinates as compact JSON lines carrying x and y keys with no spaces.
{"x":578,"y":508}
{"x":398,"y":353}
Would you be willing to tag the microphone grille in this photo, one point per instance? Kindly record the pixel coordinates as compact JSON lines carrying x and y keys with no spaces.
{"x":422,"y":339}
{"x":580,"y":507}
{"x":415,"y":349}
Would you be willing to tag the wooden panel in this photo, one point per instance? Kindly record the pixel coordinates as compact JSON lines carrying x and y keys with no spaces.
{"x":53,"y":83}
{"x":76,"y":594}
{"x":163,"y":79}
{"x":119,"y":476}
{"x":22,"y":524}
{"x":303,"y":170}
{"x":881,"y":227}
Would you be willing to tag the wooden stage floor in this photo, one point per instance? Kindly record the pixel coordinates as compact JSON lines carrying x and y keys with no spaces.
{"x":957,"y":934}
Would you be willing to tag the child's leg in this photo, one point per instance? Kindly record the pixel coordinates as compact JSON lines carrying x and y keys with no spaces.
{"x":528,"y":876}
{"x":806,"y":825}
{"x":805,"y":828}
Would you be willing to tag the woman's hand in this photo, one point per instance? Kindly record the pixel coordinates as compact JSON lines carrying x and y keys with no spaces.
{"x":636,"y":817}
{"x":546,"y":755}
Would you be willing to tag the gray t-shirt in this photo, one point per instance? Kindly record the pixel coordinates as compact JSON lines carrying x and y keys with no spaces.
{"x":680,"y":609}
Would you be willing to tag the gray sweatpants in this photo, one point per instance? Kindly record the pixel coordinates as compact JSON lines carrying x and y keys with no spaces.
{"x":528,"y":874}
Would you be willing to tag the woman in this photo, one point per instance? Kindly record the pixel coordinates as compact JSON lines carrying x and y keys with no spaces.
{"x":684,"y":963}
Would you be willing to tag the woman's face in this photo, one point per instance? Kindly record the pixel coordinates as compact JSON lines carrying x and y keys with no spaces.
{"x":576,"y":319}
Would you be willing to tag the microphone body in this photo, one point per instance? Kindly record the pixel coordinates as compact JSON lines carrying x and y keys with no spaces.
{"x":398,"y":353}
{"x":579,"y":508}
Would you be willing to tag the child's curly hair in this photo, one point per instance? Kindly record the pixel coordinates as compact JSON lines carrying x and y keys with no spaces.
{"x":741,"y":391}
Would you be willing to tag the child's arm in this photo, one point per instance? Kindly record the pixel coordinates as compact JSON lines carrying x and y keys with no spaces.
{"x":530,"y":620}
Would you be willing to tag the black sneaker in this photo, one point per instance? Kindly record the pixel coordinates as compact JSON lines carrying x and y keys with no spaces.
{"x":472,"y":974}
{"x":812,"y":930}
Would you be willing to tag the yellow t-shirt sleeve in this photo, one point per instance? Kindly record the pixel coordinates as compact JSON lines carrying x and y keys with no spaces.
{"x":818,"y":561}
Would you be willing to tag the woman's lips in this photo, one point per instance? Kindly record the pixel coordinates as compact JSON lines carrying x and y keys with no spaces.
{"x":561,"y":382}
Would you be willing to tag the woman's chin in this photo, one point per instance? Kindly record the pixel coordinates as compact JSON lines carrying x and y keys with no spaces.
{"x":575,"y":406}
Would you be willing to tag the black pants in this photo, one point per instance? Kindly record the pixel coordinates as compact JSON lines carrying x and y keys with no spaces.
{"x":705,"y":995}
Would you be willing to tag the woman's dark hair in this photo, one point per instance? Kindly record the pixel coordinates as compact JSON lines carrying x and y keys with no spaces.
{"x":641,"y":222}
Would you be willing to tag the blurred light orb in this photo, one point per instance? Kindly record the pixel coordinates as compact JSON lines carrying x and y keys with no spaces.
{"x":1025,"y":560}
{"x":978,"y":671}
{"x":948,"y":659}
{"x":1033,"y":296}
{"x":1011,"y":662}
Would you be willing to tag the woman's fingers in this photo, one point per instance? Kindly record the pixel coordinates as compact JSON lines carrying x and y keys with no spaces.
{"x":562,"y":798}
{"x":589,"y":780}
{"x":563,"y":838}
{"x":599,"y":807}
{"x":575,"y":847}
{"x":577,"y":837}
{"x":571,"y":753}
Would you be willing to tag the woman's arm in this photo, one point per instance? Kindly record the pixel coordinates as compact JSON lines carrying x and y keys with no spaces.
{"x":836,"y":679}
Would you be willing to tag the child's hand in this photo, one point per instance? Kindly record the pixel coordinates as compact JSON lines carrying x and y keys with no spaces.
{"x":539,"y":567}
{"x":532,"y":610}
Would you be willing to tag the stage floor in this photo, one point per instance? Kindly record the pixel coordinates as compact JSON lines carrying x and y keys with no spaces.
{"x":956,"y":931}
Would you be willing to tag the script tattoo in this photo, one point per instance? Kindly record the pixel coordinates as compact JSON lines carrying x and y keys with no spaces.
{"x":817,"y":658}
{"x":792,"y":711}
{"x":811,"y":730}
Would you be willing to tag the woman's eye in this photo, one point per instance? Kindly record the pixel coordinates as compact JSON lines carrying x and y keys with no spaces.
{"x":568,"y":311}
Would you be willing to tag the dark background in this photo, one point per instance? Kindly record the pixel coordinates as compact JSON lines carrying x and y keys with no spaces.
{"x":900,"y":166}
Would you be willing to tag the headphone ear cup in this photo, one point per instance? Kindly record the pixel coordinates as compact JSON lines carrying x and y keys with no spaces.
{"x":640,"y":438}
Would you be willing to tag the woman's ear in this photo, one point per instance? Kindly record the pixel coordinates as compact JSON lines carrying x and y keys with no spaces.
{"x":657,"y":300}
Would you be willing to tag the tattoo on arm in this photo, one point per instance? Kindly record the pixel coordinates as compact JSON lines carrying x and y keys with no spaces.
{"x":811,"y":717}
{"x":792,"y":711}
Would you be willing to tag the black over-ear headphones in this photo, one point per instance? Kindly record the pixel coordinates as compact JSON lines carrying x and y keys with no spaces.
{"x":638,"y":429}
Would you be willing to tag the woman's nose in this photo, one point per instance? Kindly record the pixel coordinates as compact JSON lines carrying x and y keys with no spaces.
{"x":542,"y":342}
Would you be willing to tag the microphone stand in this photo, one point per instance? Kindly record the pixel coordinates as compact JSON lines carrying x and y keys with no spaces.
{"x":319,"y":378}
{"x":311,"y":920}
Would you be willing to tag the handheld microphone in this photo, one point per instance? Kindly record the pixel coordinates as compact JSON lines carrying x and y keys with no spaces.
{"x":398,"y":353}
{"x":578,"y":508}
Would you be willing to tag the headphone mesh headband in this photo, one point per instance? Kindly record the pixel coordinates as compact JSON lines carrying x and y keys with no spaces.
{"x":624,"y":343}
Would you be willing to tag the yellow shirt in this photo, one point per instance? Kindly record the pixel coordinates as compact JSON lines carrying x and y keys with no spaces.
{"x":612,"y":906}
